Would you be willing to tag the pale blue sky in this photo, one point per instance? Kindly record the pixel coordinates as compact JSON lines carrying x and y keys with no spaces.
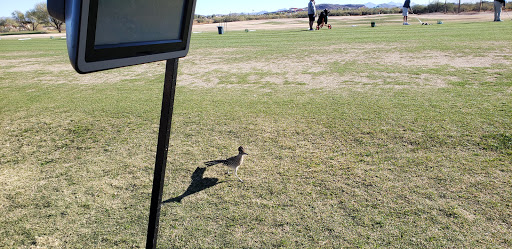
{"x":206,"y":7}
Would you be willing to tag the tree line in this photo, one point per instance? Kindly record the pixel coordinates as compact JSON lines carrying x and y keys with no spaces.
{"x":30,"y":20}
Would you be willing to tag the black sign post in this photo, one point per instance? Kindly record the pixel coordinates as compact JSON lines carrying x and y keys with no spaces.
{"x":171,"y":72}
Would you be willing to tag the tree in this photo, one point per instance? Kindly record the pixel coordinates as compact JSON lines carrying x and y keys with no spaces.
{"x":6,"y":24}
{"x":38,"y":15}
{"x":20,"y":19}
{"x":18,"y":16}
{"x":56,"y":23}
{"x":3,"y":21}
{"x":42,"y":8}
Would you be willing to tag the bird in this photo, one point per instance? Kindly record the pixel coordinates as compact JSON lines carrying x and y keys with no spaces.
{"x":232,"y":162}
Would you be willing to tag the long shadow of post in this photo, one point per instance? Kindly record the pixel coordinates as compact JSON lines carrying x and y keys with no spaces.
{"x":198,"y":184}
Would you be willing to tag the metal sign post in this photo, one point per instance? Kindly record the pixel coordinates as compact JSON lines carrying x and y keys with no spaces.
{"x":171,"y":72}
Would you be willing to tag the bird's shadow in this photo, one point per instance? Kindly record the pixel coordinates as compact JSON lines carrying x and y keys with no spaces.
{"x":198,"y":184}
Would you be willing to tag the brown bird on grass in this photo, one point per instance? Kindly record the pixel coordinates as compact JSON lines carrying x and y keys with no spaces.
{"x":232,"y":162}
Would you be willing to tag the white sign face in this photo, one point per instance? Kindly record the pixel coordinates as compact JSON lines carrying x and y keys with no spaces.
{"x":132,"y":21}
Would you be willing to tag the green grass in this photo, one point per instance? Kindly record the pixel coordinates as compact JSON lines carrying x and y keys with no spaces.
{"x":351,"y":150}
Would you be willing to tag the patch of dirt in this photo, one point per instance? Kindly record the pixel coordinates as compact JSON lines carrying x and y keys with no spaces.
{"x":53,"y":72}
{"x":211,"y":66}
{"x":435,"y":59}
{"x":32,"y":64}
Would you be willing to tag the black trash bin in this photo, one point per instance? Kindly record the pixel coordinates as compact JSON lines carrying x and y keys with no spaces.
{"x":221,"y":30}
{"x":373,"y":24}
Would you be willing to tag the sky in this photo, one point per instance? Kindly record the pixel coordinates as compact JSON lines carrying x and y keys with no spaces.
{"x":208,"y":7}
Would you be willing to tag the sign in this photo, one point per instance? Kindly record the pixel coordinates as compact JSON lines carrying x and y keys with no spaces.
{"x":106,"y":34}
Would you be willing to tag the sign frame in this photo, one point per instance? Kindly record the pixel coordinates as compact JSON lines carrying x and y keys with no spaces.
{"x":86,"y":57}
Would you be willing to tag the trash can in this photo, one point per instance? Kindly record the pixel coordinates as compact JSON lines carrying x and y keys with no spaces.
{"x":221,"y":30}
{"x":373,"y":24}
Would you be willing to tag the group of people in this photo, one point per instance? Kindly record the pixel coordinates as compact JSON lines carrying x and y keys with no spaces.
{"x":322,"y":19}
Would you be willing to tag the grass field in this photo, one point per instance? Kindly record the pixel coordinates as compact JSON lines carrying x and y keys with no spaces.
{"x":394,"y":136}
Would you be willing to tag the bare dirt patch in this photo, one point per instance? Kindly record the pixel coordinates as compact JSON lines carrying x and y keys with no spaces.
{"x":50,"y":71}
{"x":31,"y":65}
{"x":435,"y":59}
{"x":213,"y":66}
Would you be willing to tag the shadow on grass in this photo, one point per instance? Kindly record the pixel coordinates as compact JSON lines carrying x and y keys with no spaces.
{"x":198,"y":184}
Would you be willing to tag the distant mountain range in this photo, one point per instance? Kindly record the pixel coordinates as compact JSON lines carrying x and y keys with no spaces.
{"x":384,"y":5}
{"x":336,"y":7}
{"x":357,"y":6}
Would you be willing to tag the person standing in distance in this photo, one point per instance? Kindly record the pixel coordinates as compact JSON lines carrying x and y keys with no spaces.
{"x":311,"y":13}
{"x":405,"y":10}
{"x":498,"y":5}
